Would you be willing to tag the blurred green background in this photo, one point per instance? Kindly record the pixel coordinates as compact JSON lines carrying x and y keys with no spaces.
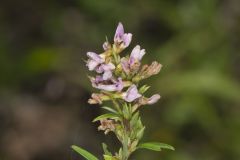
{"x":44,"y":86}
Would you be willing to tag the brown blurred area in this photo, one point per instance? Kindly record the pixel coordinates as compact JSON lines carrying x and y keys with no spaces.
{"x":44,"y":86}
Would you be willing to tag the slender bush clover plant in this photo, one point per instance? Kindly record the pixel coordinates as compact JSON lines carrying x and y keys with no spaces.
{"x":118,"y":80}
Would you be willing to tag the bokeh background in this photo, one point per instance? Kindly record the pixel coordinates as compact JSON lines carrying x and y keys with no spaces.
{"x":44,"y":86}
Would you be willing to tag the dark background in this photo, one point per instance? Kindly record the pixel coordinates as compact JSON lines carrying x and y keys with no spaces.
{"x":44,"y":86}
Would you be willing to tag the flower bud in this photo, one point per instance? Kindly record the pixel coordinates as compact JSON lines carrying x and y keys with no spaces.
{"x":153,"y":69}
{"x":98,"y":98}
{"x":148,"y":71}
{"x":106,"y":46}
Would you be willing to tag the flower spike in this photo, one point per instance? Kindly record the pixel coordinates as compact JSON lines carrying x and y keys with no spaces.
{"x":117,"y":78}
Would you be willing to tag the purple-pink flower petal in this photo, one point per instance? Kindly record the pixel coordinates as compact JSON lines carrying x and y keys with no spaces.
{"x":137,"y":53}
{"x":113,"y":85}
{"x":94,"y":60}
{"x":106,"y":87}
{"x":119,"y":84}
{"x":91,"y":64}
{"x":107,"y":75}
{"x":124,"y":39}
{"x":106,"y":46}
{"x":119,"y":33}
{"x":125,"y":65}
{"x":105,"y":67}
{"x":154,"y":99}
{"x":131,"y":94}
{"x":108,"y":66}
{"x":127,"y":38}
{"x":95,"y":57}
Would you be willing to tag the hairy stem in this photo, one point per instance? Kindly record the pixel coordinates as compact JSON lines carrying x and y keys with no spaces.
{"x":125,"y":141}
{"x":126,"y":137}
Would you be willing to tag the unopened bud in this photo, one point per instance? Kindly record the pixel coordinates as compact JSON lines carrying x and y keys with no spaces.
{"x":98,"y":98}
{"x":148,"y":71}
{"x":106,"y":126}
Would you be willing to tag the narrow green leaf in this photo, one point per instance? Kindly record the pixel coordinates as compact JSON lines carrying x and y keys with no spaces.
{"x":139,"y":123}
{"x":110,"y":109}
{"x":107,"y":157}
{"x":133,"y":146}
{"x":134,"y":119}
{"x":166,"y":146}
{"x":106,"y":152}
{"x":125,"y":111}
{"x":105,"y":116}
{"x":143,"y":89}
{"x":140,"y":133}
{"x":84,"y":153}
{"x":120,"y":153}
{"x":155,"y":146}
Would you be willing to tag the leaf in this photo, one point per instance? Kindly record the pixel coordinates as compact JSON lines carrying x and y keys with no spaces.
{"x":155,"y":146}
{"x":110,"y":109}
{"x":140,"y":133}
{"x":143,"y":89}
{"x":133,"y":146}
{"x":120,"y":153}
{"x":107,"y":157}
{"x":126,"y":111}
{"x":105,"y":116}
{"x":84,"y":153}
{"x":106,"y":150}
{"x":134,"y":119}
{"x":139,"y":123}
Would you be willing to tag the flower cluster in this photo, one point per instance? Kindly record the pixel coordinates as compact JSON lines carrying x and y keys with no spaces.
{"x":118,"y":77}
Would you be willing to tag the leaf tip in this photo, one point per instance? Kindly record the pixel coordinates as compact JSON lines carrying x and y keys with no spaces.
{"x":74,"y":147}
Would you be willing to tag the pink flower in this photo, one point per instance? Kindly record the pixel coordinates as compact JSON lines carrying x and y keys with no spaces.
{"x":111,"y":85}
{"x":125,"y":65}
{"x":122,"y":38}
{"x":133,"y":63}
{"x":97,"y":63}
{"x":137,"y":54}
{"x":131,"y":94}
{"x":106,"y":69}
{"x":94,"y":60}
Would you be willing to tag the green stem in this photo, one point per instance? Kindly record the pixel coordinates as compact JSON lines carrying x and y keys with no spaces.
{"x":125,"y":153}
{"x":115,"y":55}
{"x":126,"y":138}
{"x":125,"y":135}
